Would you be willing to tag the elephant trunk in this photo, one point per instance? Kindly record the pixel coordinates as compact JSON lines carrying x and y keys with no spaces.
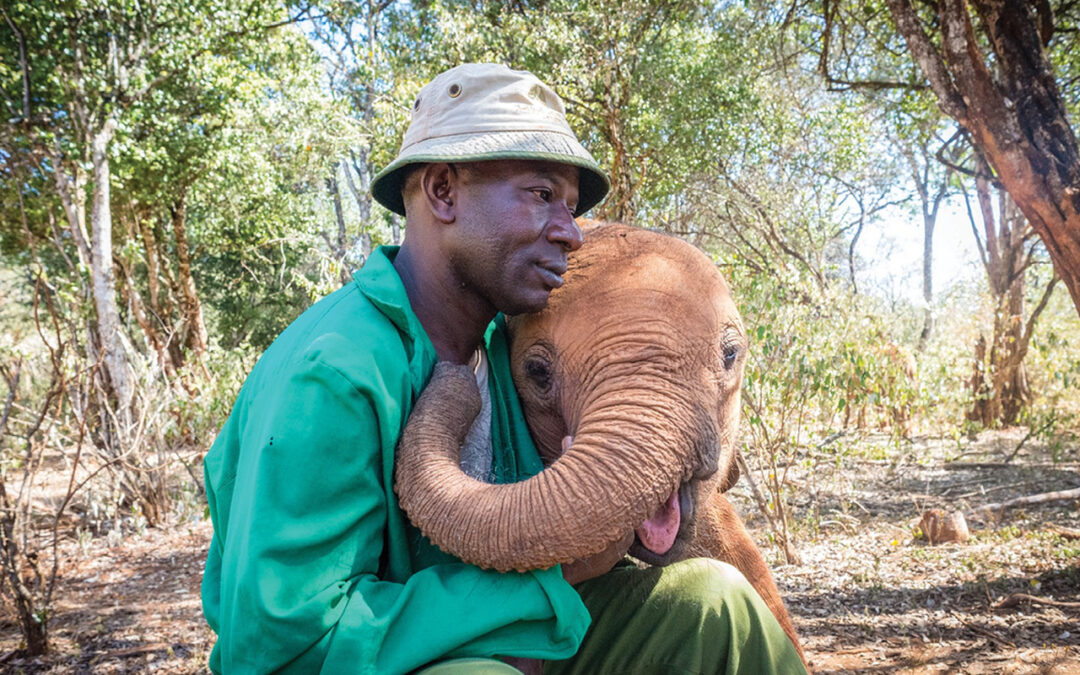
{"x":624,"y":462}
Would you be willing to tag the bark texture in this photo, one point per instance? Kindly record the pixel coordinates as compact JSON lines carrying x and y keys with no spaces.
{"x":1010,"y":105}
{"x":999,"y":384}
{"x":113,"y":350}
{"x":194,"y":334}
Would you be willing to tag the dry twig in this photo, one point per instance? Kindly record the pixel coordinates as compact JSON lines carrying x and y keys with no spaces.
{"x":1070,"y":533}
{"x":1030,"y":433}
{"x":1015,"y":599}
{"x":1058,"y":496}
{"x":985,"y":633}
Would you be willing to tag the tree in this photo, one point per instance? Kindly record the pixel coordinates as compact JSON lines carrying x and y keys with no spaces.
{"x":369,"y":46}
{"x":932,"y":182}
{"x":214,"y":143}
{"x":999,"y":385}
{"x":998,"y":83}
{"x":230,"y":143}
{"x":92,"y":63}
{"x":623,"y":70}
{"x":989,"y":67}
{"x":260,"y":208}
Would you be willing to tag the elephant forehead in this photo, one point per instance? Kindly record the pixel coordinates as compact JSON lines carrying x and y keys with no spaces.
{"x":647,"y":279}
{"x":658,"y":272}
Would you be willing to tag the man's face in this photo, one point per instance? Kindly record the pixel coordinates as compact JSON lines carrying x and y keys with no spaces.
{"x":513,"y":227}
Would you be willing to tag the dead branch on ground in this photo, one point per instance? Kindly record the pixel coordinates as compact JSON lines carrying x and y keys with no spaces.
{"x":1015,"y":599}
{"x":1070,"y":533}
{"x":1043,"y":498}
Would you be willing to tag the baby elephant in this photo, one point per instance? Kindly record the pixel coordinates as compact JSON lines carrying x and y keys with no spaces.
{"x":639,"y":358}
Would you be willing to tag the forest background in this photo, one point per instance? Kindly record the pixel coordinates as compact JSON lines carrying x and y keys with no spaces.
{"x":179,"y":181}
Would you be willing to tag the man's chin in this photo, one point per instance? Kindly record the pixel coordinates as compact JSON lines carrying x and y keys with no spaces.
{"x":529,"y":305}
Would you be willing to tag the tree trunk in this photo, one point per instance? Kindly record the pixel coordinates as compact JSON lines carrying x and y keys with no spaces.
{"x":195,"y":328}
{"x":103,"y":284}
{"x":19,"y":565}
{"x":362,"y":194}
{"x":999,"y":387}
{"x":132,"y":299}
{"x":979,"y":387}
{"x":618,"y":206}
{"x":337,"y":247}
{"x":931,"y":204}
{"x":362,"y":197}
{"x":153,"y":267}
{"x":159,"y":305}
{"x":1009,"y":347}
{"x":1011,"y":107}
{"x":395,"y":229}
{"x":73,"y":198}
{"x":929,"y":221}
{"x":171,"y":297}
{"x":35,"y":630}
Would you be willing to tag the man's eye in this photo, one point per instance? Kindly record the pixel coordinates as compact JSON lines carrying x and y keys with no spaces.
{"x":543,"y":193}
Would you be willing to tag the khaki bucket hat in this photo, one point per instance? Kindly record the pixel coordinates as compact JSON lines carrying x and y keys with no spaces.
{"x":485,"y":111}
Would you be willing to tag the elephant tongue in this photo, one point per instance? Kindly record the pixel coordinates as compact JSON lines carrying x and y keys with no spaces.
{"x":658,"y":532}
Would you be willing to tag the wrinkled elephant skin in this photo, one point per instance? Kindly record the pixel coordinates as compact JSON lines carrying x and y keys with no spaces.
{"x":639,"y":358}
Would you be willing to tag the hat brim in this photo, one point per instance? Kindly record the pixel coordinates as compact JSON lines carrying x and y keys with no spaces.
{"x":548,"y":146}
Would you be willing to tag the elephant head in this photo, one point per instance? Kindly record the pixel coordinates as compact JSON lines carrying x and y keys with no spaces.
{"x":639,"y":358}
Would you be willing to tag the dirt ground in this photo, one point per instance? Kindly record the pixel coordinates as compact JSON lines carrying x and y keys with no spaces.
{"x":868,"y":597}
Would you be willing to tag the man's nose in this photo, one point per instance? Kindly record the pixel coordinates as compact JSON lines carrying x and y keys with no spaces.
{"x":564,"y":230}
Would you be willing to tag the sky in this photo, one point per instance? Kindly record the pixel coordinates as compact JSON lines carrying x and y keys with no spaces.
{"x":894,"y":247}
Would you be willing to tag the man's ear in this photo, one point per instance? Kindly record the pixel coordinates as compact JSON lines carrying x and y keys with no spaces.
{"x":439,"y":183}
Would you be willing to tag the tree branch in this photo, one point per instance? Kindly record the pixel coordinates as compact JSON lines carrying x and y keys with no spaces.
{"x":871,"y":85}
{"x":24,"y":66}
{"x":240,"y":32}
{"x":974,"y":227}
{"x":928,"y":58}
{"x":1029,"y":327}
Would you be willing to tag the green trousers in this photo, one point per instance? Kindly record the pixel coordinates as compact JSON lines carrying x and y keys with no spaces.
{"x":696,"y":616}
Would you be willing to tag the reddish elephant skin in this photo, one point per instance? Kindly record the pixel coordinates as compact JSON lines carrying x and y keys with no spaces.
{"x":639,"y":358}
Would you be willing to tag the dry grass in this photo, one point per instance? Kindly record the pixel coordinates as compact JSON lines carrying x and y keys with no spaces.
{"x":868,"y":598}
{"x":871,"y":597}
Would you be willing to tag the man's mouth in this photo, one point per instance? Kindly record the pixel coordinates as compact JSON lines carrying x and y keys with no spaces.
{"x":552,"y":274}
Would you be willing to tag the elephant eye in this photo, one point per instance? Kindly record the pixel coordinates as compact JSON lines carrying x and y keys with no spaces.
{"x":539,"y":371}
{"x":731,"y":353}
{"x":731,"y":348}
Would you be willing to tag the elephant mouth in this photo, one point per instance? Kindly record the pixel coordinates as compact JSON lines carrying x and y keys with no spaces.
{"x":655,"y":538}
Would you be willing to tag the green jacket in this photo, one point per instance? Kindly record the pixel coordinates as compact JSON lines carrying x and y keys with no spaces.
{"x":312,"y":564}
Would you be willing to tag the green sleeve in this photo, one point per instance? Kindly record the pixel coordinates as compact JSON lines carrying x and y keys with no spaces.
{"x":305,"y":534}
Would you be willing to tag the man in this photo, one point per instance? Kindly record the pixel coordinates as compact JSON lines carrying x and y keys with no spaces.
{"x":313,"y":567}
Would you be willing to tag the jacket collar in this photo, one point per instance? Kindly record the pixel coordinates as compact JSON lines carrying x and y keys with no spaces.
{"x":380,"y":283}
{"x":378,"y":280}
